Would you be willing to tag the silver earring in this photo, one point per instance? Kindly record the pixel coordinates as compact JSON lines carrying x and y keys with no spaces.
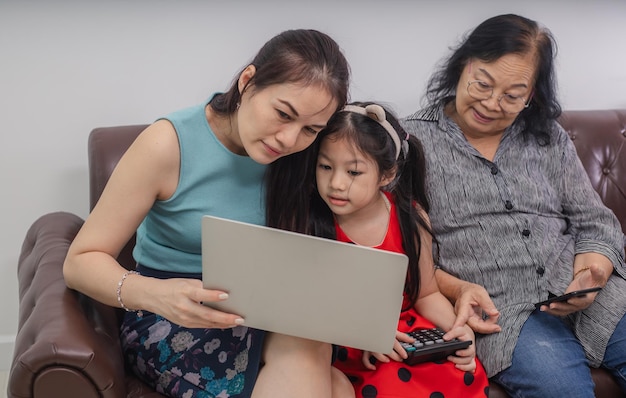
{"x":238,"y":105}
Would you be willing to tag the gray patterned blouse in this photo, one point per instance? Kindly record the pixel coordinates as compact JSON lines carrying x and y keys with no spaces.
{"x":514,"y":225}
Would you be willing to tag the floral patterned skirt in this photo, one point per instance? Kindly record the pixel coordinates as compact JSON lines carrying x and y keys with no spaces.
{"x":183,"y":362}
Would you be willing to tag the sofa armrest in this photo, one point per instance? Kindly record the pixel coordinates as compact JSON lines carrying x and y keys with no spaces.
{"x":66,"y":342}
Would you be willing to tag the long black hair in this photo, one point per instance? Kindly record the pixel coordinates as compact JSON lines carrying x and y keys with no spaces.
{"x":492,"y":39}
{"x":301,"y":56}
{"x":303,"y":210}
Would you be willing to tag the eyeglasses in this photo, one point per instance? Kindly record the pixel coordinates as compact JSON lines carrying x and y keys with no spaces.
{"x":482,"y":91}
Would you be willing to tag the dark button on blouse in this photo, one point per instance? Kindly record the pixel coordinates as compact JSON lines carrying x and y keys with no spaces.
{"x":526,"y":233}
{"x":494,"y":169}
{"x":508,"y":205}
{"x":541,"y":270}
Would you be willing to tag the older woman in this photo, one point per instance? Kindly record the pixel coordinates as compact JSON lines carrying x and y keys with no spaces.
{"x":517,"y":218}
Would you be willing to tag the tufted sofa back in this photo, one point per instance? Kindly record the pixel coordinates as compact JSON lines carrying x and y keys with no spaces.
{"x":600,"y":140}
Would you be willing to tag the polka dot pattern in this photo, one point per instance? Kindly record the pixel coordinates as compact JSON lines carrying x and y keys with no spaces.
{"x":369,"y":391}
{"x":342,"y":354}
{"x":396,"y":379}
{"x":468,"y":379}
{"x":404,"y":374}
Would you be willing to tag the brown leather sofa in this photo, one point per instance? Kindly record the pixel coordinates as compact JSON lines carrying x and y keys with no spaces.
{"x":67,"y":345}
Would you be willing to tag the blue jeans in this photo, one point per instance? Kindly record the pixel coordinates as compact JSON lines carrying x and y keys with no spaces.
{"x":548,"y":361}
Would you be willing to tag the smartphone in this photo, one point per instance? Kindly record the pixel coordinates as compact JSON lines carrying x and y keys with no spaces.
{"x":565,"y":297}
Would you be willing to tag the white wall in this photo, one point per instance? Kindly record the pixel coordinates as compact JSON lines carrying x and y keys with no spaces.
{"x":69,"y":66}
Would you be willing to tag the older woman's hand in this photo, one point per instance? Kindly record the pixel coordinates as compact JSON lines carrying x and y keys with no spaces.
{"x":474,"y":307}
{"x":593,"y":270}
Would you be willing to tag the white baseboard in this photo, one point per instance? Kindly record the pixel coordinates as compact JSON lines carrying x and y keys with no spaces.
{"x":7,"y":342}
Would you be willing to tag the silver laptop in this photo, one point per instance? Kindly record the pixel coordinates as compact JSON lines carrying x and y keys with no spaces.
{"x":304,"y":286}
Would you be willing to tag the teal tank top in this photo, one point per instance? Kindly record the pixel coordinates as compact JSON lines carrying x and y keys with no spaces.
{"x":213,"y":181}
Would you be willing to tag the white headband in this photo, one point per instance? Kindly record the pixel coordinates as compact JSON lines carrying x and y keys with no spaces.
{"x":377,"y":113}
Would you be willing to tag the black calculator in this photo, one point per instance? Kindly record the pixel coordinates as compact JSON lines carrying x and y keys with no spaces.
{"x":429,"y":346}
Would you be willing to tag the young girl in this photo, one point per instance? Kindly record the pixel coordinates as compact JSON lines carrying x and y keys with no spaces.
{"x":370,"y":191}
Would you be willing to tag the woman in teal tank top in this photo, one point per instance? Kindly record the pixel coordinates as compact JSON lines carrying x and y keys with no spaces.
{"x":208,"y":159}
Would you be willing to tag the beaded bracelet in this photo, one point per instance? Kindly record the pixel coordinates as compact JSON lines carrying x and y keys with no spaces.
{"x":119,"y":290}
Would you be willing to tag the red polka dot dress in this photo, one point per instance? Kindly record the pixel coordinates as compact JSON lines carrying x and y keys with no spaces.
{"x":396,"y":379}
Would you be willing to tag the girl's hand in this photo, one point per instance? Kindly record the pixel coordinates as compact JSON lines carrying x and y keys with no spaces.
{"x":180,"y":301}
{"x":398,"y":354}
{"x":463,"y":359}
